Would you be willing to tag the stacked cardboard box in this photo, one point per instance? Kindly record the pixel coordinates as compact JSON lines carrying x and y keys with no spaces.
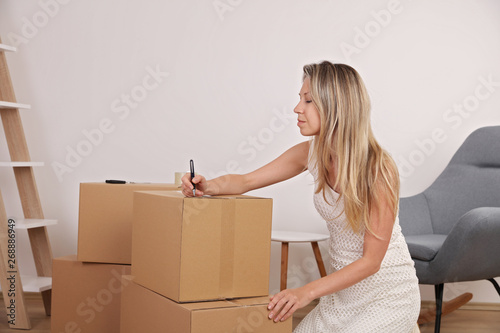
{"x":86,"y":296}
{"x":86,"y":289}
{"x":199,"y":265}
{"x":105,"y":220}
{"x":143,"y":310}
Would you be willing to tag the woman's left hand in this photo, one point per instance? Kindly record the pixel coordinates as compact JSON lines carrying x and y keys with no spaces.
{"x":286,"y":302}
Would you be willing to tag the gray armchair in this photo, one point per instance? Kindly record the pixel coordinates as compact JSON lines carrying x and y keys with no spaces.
{"x":453,"y":227}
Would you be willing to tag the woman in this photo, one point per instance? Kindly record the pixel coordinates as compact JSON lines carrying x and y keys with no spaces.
{"x":373,"y":286}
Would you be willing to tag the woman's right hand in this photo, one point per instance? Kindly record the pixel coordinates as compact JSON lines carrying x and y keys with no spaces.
{"x":187,"y":187}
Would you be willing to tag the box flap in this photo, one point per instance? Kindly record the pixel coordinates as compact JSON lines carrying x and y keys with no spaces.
{"x":229,"y":303}
{"x":249,"y":301}
{"x":71,"y":257}
{"x":197,"y":306}
{"x":241,"y":318}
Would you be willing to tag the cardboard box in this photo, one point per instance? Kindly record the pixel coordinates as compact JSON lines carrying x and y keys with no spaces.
{"x":195,"y":249}
{"x":105,"y":221}
{"x":86,"y":296}
{"x":146,"y":311}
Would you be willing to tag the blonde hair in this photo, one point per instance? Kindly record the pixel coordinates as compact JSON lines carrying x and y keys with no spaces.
{"x":364,"y":170}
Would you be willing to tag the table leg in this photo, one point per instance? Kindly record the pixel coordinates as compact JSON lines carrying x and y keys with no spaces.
{"x":284,"y":264}
{"x":319,"y":259}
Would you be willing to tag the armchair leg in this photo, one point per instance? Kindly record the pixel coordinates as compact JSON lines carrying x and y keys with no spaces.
{"x":495,"y":284}
{"x":429,"y":315}
{"x":438,"y":290}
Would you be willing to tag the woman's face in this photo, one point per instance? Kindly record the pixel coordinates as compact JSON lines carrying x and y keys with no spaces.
{"x":308,"y":118}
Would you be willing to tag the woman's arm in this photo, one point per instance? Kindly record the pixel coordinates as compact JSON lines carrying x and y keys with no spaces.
{"x":291,"y":163}
{"x":284,"y":304}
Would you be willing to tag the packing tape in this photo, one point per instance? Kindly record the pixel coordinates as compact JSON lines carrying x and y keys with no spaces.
{"x":178,"y":177}
{"x":226,"y":274}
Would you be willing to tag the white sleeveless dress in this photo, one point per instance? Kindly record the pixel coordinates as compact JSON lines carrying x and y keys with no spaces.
{"x":388,"y":301}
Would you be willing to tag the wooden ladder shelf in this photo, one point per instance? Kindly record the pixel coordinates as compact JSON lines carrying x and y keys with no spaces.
{"x":34,"y":221}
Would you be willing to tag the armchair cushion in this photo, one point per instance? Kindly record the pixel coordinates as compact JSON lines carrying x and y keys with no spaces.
{"x":424,"y":247}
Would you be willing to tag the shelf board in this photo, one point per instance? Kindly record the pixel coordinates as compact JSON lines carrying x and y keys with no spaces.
{"x":21,"y":164}
{"x":33,"y":223}
{"x":35,"y":284}
{"x":10,"y":105}
{"x":8,"y":48}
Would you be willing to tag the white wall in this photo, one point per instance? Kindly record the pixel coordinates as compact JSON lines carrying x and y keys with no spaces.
{"x":234,"y":70}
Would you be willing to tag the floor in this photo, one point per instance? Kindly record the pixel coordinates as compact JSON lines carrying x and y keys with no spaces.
{"x":40,"y":323}
{"x":467,"y":321}
{"x":460,"y":321}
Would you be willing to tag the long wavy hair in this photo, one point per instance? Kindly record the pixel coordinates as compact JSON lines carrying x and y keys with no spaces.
{"x":346,"y":154}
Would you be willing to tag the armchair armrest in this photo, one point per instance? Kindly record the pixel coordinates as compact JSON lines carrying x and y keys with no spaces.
{"x":471,"y":250}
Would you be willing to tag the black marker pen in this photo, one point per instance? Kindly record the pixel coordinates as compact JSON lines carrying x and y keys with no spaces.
{"x":191,"y":166}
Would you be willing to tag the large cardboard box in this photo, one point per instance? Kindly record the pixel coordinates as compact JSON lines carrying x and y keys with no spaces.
{"x":105,"y":220}
{"x":194,"y":249}
{"x":86,"y":296}
{"x":146,"y":311}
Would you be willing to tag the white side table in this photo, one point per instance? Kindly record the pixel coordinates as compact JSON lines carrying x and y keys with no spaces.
{"x":286,"y":237}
